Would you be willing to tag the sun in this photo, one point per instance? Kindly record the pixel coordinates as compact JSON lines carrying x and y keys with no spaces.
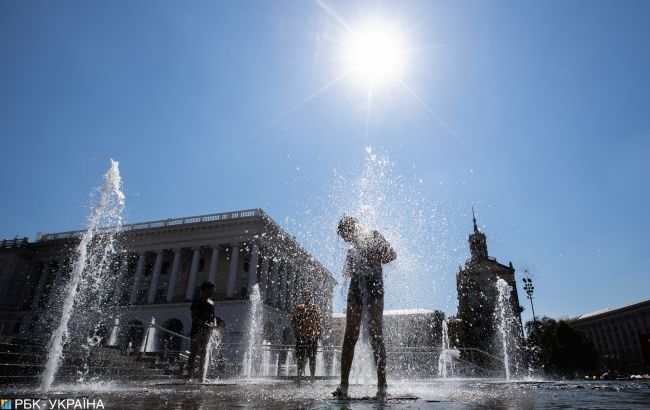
{"x":375,"y":54}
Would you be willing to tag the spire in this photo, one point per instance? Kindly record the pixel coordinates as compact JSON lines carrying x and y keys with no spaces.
{"x":477,"y":241}
{"x":474,"y":220}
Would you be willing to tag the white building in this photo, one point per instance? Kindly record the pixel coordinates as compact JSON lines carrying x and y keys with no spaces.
{"x":159,"y":270}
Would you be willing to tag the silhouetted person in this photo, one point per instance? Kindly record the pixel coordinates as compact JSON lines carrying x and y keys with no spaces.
{"x":203,"y":322}
{"x":306,"y":323}
{"x":369,"y":251}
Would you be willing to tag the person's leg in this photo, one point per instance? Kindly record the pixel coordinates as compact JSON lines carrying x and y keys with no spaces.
{"x":204,"y":340}
{"x":300,"y":356}
{"x":192,"y":357}
{"x":352,"y":327}
{"x":375,"y":330}
{"x":313,"y":349}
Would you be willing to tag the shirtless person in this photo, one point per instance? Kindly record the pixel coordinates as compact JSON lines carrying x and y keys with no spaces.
{"x":369,"y":251}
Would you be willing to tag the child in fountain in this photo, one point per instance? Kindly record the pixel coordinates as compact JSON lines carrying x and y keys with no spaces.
{"x":306,"y":323}
{"x":369,"y":251}
{"x":203,"y":322}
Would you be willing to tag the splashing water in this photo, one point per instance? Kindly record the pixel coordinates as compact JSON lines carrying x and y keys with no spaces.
{"x":93,"y":256}
{"x":384,"y":199}
{"x":254,"y":330}
{"x":320,"y":362}
{"x":447,"y":354}
{"x":212,"y":353}
{"x":504,"y":316}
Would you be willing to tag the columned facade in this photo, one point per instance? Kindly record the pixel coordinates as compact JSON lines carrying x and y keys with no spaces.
{"x":160,"y":265}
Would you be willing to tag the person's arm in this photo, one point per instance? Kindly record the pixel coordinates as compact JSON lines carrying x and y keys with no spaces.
{"x":388,"y":254}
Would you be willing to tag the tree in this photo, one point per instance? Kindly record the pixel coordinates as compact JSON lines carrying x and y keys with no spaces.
{"x":560,"y":349}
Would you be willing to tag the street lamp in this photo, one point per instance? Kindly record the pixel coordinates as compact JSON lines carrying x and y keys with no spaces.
{"x":529,"y":288}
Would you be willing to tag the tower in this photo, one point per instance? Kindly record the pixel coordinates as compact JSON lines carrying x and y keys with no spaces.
{"x":475,"y":325}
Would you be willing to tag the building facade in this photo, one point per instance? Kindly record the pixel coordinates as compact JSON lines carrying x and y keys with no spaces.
{"x":620,"y":335}
{"x":475,"y":326}
{"x":157,"y":272}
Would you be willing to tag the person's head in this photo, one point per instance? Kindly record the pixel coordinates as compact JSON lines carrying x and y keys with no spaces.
{"x":207,"y":289}
{"x":348,"y":228}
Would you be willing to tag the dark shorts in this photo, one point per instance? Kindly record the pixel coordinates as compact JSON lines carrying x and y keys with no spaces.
{"x":370,"y":285}
{"x":306,"y":346}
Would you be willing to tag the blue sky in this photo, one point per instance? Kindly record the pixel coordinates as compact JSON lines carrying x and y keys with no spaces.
{"x":545,"y":104}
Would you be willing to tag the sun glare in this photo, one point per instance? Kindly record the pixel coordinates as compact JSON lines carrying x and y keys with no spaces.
{"x":375,"y":54}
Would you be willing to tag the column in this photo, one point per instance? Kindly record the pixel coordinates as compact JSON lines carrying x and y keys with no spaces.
{"x":286,"y":287}
{"x":194,"y":268}
{"x":293,"y":293}
{"x":155,"y":278}
{"x":42,"y":281}
{"x":274,"y":287}
{"x":173,"y":278}
{"x":232,"y":275}
{"x":119,"y":286}
{"x":252,"y":267}
{"x":264,"y":285}
{"x":137,"y":278}
{"x":214,"y":264}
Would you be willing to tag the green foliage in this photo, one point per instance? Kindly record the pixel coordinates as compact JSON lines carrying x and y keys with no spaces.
{"x":560,"y":349}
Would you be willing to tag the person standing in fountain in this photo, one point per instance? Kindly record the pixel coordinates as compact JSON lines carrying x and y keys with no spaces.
{"x":369,"y":251}
{"x":203,"y":322}
{"x":306,"y":323}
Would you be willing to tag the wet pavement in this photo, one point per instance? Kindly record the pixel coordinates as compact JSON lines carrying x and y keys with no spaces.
{"x":411,"y":394}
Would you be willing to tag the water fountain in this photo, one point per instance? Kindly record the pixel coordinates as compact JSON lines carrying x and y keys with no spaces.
{"x":504,"y":319}
{"x":320,"y":362}
{"x":212,"y":354}
{"x":363,"y":370}
{"x":254,"y":331}
{"x":95,"y":252}
{"x":93,"y":257}
{"x":289,"y":364}
{"x":447,"y":354}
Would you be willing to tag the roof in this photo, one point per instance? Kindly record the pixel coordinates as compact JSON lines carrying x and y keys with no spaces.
{"x":165,"y":222}
{"x":612,"y":310}
{"x":246,"y":214}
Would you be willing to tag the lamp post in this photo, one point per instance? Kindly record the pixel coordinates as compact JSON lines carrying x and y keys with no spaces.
{"x":529,"y":288}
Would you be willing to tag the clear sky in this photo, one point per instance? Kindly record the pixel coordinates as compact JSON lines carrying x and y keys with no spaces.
{"x":537,"y":113}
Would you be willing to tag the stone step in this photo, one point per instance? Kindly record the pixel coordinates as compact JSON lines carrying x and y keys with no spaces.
{"x":20,"y":358}
{"x":20,"y":348}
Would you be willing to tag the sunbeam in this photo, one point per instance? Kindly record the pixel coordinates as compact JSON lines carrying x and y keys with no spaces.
{"x":429,"y":110}
{"x":303,"y":102}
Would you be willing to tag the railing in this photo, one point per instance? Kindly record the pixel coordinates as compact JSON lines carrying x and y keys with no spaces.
{"x":158,"y":224}
{"x":14,"y":243}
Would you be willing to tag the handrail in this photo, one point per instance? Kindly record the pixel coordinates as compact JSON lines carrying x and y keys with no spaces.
{"x":169,"y":331}
{"x":247,"y":213}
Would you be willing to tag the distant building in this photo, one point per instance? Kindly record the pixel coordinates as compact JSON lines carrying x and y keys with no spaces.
{"x":621,"y":335}
{"x":412,"y":338}
{"x":157,"y":274}
{"x":474,"y":327}
{"x":399,"y":326}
